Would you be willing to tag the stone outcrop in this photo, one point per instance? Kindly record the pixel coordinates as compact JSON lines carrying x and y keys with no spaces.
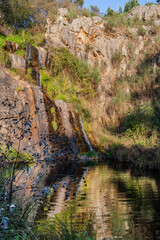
{"x":26,"y":120}
{"x":23,"y":119}
{"x":85,"y":38}
{"x":17,"y":62}
{"x":72,"y":127}
{"x":11,"y":46}
{"x":100,"y":44}
{"x":42,"y":56}
{"x":4,"y":30}
{"x":146,"y":12}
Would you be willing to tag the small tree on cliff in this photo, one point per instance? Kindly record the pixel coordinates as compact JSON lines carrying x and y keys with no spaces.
{"x":23,"y":13}
{"x":129,"y":5}
{"x":95,"y":9}
{"x":79,"y":2}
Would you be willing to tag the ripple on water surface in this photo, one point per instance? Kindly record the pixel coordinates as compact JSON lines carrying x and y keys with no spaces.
{"x":120,"y":205}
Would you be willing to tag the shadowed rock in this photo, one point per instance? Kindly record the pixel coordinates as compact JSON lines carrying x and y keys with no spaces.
{"x":11,"y":46}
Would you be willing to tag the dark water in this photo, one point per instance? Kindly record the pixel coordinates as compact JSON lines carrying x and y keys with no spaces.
{"x":118,"y":204}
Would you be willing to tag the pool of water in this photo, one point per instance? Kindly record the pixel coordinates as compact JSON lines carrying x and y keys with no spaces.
{"x":115,"y":204}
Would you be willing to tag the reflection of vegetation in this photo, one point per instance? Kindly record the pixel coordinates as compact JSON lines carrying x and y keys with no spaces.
{"x":128,"y":201}
{"x":10,"y":155}
{"x":67,"y":225}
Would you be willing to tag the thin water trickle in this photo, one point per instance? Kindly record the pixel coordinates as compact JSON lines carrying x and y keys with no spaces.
{"x":85,"y":135}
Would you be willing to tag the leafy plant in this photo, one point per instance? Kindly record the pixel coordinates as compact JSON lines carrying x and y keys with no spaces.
{"x":142,"y":31}
{"x":117,"y":58}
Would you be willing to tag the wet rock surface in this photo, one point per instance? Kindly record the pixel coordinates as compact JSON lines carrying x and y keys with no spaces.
{"x":23,"y":117}
{"x":11,"y":46}
{"x":26,"y":121}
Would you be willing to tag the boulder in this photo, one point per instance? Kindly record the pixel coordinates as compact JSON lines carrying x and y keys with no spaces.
{"x":62,"y":12}
{"x":11,"y":46}
{"x":42,"y":56}
{"x":4,"y":30}
{"x":17,"y":62}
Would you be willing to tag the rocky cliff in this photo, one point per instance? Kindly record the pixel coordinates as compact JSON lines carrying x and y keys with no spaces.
{"x":117,"y":47}
{"x":125,"y":48}
{"x":28,"y":117}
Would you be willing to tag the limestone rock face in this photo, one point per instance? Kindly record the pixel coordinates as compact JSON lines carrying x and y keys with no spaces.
{"x":23,"y":117}
{"x":146,"y":12}
{"x":26,"y":120}
{"x":72,"y":127}
{"x":65,"y":117}
{"x":98,"y":43}
{"x":84,"y":37}
{"x":17,"y":62}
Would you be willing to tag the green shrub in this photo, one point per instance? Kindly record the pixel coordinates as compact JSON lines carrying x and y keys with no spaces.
{"x":85,"y":12}
{"x":121,"y":98}
{"x":141,"y":31}
{"x":117,"y":58}
{"x":20,"y":89}
{"x":29,"y":73}
{"x":16,"y":39}
{"x":78,"y":71}
{"x":5,"y":59}
{"x":38,"y":39}
{"x":91,"y":154}
{"x":71,"y":14}
{"x":20,"y":52}
{"x":143,"y":116}
{"x":2,"y":41}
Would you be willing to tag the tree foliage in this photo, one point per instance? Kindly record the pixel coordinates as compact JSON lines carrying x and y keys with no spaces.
{"x":79,"y":2}
{"x":95,"y":9}
{"x":23,"y":13}
{"x":130,"y":4}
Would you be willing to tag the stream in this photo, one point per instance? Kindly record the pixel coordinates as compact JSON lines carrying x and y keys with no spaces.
{"x":114,"y":203}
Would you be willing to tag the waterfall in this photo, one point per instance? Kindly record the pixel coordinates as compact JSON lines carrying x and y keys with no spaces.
{"x":30,"y":53}
{"x":85,"y":135}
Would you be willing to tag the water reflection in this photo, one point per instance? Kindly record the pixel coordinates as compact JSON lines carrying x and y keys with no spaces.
{"x":121,"y":206}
